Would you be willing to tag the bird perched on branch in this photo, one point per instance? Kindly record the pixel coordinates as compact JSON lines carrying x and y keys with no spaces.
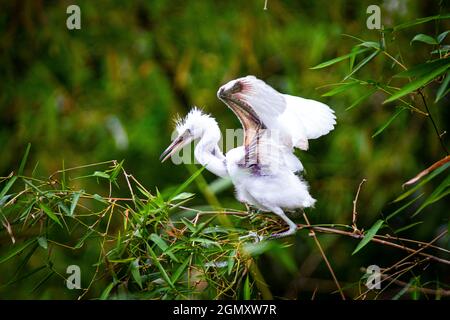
{"x":264,"y":170}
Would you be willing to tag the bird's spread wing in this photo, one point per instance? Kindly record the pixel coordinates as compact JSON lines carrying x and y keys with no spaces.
{"x":314,"y":118}
{"x":263,"y":99}
{"x":298,"y":118}
{"x":265,"y":155}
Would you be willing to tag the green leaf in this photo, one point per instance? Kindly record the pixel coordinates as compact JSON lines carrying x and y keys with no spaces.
{"x":50,"y":214}
{"x":344,"y":86}
{"x":7,"y":186}
{"x":442,"y":36}
{"x":247,"y":290}
{"x":186,"y":183}
{"x":162,"y":245}
{"x":43,"y":242}
{"x":183,"y":196}
{"x":176,"y":275}
{"x":338,"y":59}
{"x":442,"y":92}
{"x":231,"y":260}
{"x":16,"y":250}
{"x":418,"y":21}
{"x":388,"y":123}
{"x":134,"y":268}
{"x":75,"y":198}
{"x":107,"y":291}
{"x":80,"y":243}
{"x":369,"y":235}
{"x":407,"y":227}
{"x":160,"y":267}
{"x":101,"y":174}
{"x":423,"y":68}
{"x":424,"y":38}
{"x":424,"y":181}
{"x":99,"y":198}
{"x":361,"y":98}
{"x":416,"y":84}
{"x":363,"y":63}
{"x":403,"y":207}
{"x":24,"y":160}
{"x":440,"y":192}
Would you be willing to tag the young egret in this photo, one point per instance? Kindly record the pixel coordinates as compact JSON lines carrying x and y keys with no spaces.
{"x":263,"y":169}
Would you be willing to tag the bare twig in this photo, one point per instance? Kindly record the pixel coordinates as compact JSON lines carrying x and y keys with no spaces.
{"x":376,"y":239}
{"x":324,"y":257}
{"x":434,"y":123}
{"x":428,"y":170}
{"x":355,"y":201}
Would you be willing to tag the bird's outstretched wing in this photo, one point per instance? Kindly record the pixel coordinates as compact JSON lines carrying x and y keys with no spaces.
{"x":265,"y":155}
{"x":306,"y":119}
{"x":297,"y":118}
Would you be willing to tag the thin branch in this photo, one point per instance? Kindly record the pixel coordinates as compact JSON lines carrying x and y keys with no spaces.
{"x":325,"y":258}
{"x":434,"y":123}
{"x":376,"y":239}
{"x":355,"y":201}
{"x":431,"y":168}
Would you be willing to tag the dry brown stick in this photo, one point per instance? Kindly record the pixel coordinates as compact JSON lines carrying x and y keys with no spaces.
{"x":355,"y":201}
{"x":324,"y":257}
{"x":374,"y":239}
{"x":418,"y":251}
{"x":434,"y":292}
{"x":431,"y":168}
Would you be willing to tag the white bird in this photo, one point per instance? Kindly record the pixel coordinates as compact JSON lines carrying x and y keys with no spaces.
{"x":263,"y":169}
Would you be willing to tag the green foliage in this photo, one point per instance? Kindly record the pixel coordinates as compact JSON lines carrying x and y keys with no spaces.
{"x":130,"y":69}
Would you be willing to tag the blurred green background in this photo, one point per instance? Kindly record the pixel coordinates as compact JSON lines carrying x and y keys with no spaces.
{"x":111,"y":90}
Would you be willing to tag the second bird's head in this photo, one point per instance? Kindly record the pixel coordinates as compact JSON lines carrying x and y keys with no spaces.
{"x":192,"y":127}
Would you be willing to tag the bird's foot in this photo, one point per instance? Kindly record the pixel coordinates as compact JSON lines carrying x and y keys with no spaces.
{"x":283,"y":234}
{"x":254,"y":235}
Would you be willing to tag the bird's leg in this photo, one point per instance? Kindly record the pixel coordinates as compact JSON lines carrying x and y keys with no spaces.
{"x":292,"y":225}
{"x":252,"y":234}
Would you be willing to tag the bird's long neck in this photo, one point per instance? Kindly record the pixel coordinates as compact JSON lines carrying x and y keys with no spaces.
{"x":208,"y":154}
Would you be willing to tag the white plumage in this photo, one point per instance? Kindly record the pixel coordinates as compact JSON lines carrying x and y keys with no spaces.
{"x":263,"y":170}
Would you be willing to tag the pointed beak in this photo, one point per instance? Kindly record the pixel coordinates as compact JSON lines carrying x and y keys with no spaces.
{"x":176,"y":145}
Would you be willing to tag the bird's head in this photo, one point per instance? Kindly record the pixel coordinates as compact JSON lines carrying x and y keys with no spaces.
{"x":192,"y":127}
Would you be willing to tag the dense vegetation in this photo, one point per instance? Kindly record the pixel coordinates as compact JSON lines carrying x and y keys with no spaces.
{"x":86,"y":113}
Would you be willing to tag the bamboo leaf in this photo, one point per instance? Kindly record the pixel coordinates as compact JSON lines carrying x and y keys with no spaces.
{"x":416,"y":84}
{"x":160,"y":267}
{"x":388,"y":123}
{"x":344,"y":86}
{"x":107,"y":291}
{"x":247,"y":290}
{"x":338,"y":59}
{"x":16,"y":250}
{"x":50,"y":214}
{"x":442,"y":36}
{"x":163,"y":246}
{"x":185,"y":184}
{"x":361,"y":99}
{"x":424,"y":38}
{"x":369,"y":235}
{"x":134,"y":268}
{"x":363,"y":63}
{"x":418,"y":21}
{"x":7,"y":186}
{"x":24,"y":160}
{"x":75,"y":198}
{"x":176,"y":275}
{"x":440,"y":192}
{"x":442,"y":91}
{"x":424,"y":181}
